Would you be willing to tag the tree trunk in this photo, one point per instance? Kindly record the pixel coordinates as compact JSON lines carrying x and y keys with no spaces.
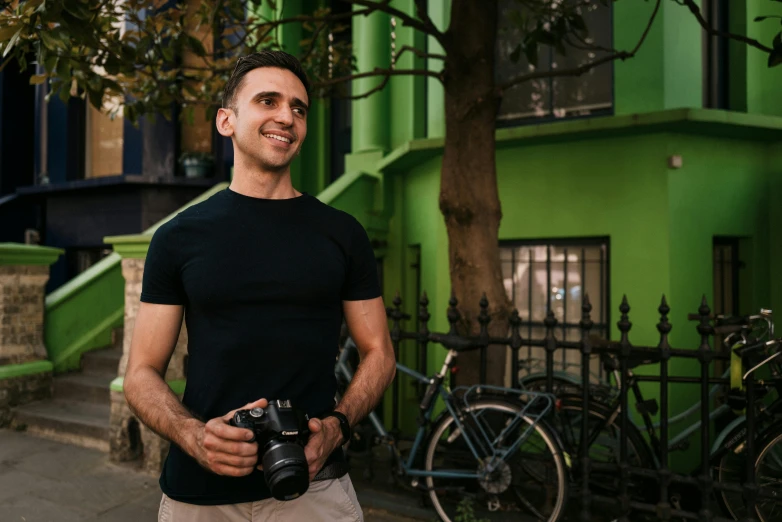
{"x":469,"y":198}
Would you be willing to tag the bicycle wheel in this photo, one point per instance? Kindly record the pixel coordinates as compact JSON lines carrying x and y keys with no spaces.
{"x":768,"y":475}
{"x":604,"y":432}
{"x":531,"y":482}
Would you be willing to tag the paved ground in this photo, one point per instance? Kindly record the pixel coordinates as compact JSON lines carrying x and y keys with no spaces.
{"x":44,"y":481}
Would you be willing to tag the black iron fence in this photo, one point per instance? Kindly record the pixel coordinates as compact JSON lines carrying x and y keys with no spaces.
{"x":632,"y":476}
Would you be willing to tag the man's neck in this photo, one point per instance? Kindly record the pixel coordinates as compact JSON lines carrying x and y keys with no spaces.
{"x":257,"y":183}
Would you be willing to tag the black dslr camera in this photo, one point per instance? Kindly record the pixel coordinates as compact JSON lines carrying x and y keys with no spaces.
{"x":281,"y":432}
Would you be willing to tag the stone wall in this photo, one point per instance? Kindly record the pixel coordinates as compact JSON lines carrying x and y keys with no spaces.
{"x":129,"y":438}
{"x":21,"y":313}
{"x":21,"y":390}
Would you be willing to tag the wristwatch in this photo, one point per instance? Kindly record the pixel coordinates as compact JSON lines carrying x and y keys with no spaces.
{"x":344,"y":425}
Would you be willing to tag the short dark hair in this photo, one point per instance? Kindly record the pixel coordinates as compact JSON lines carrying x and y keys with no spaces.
{"x":245,"y":64}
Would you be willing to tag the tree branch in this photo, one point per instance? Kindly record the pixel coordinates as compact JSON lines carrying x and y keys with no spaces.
{"x":417,"y":52}
{"x":695,"y":10}
{"x":578,"y":71}
{"x":380,"y":72}
{"x":426,"y":27}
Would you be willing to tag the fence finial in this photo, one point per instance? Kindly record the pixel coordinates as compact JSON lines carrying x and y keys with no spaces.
{"x":423,"y":311}
{"x":624,"y":323}
{"x":586,"y":321}
{"x":664,"y":327}
{"x":453,"y":313}
{"x":483,"y":315}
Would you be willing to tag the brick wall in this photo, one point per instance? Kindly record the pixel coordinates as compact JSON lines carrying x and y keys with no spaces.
{"x":129,"y":438}
{"x":21,"y":313}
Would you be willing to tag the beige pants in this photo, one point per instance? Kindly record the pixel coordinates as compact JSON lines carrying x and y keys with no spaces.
{"x":325,"y":501}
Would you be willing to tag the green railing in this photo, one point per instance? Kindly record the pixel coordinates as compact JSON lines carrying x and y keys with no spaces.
{"x":81,"y":314}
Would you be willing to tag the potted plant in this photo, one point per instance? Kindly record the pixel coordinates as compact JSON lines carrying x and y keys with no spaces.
{"x":197,"y":164}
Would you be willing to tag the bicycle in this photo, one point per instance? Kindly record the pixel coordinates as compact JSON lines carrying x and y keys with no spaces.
{"x":485,"y":448}
{"x":726,"y":452}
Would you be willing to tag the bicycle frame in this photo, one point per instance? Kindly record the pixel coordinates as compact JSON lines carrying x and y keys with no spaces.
{"x":446,"y":395}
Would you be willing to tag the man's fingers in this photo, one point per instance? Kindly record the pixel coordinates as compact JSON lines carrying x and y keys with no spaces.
{"x":231,"y":471}
{"x":260,"y":403}
{"x":315,"y":425}
{"x":226,"y":431}
{"x":235,"y":461}
{"x":241,"y":449}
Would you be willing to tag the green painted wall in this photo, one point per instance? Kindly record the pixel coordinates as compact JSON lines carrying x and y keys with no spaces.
{"x":407,"y":94}
{"x":661,"y":223}
{"x":666,"y":72}
{"x":763,"y":95}
{"x":440,"y":13}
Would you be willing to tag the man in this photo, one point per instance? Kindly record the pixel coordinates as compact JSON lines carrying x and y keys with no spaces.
{"x":263,"y":276}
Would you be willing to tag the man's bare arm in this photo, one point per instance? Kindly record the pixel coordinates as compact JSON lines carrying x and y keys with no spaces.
{"x":368,"y":326}
{"x":215,"y":445}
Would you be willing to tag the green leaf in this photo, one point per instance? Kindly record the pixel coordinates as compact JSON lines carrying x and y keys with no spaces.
{"x":7,"y":32}
{"x":37,"y":79}
{"x":577,"y":21}
{"x":64,"y":70}
{"x":10,"y":45}
{"x":196,"y":45}
{"x":516,"y":54}
{"x":531,"y":52}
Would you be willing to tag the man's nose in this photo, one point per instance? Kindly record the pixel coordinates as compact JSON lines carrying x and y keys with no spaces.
{"x":284,"y":116}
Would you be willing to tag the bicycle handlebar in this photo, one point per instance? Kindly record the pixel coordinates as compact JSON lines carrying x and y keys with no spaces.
{"x":743,"y":351}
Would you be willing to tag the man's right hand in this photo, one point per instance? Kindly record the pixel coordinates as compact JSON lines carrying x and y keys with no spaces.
{"x":224,"y":449}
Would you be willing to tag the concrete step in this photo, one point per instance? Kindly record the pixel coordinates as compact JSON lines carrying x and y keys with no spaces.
{"x":72,"y":422}
{"x":102,"y":362}
{"x":84,"y":387}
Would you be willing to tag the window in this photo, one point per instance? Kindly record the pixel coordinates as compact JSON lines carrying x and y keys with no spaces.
{"x":104,"y":143}
{"x":556,"y":275}
{"x":548,"y":98}
{"x":195,"y":129}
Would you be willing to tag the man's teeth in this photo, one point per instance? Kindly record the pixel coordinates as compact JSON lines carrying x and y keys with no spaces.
{"x":279,"y":138}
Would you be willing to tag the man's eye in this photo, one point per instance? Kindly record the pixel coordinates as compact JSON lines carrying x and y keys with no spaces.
{"x":301,"y":111}
{"x":266,"y":101}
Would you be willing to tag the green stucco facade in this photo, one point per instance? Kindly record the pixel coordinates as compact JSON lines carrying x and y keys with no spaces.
{"x":605,"y":176}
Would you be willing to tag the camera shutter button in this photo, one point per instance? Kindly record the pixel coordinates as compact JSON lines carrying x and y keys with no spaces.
{"x":257,"y":412}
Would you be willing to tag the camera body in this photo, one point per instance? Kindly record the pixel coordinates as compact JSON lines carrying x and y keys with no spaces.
{"x":281,"y":432}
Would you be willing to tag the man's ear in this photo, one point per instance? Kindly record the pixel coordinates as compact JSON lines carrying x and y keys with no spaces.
{"x":225,"y":122}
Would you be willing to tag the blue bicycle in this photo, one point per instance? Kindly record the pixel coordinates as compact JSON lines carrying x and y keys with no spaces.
{"x":490,"y":448}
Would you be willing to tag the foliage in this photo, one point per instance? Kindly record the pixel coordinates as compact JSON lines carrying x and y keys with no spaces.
{"x":465,"y":512}
{"x":153,"y":54}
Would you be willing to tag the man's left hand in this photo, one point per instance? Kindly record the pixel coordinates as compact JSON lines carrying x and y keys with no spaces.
{"x":325,"y":437}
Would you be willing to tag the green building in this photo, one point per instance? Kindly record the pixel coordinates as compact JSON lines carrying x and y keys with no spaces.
{"x":650,"y":176}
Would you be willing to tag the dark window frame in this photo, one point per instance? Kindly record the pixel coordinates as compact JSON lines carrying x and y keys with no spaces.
{"x":601,"y":323}
{"x":550,"y":117}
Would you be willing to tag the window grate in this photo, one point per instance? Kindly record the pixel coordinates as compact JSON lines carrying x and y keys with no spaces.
{"x":553,"y":275}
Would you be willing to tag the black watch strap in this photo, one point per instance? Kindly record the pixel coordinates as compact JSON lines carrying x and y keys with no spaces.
{"x":344,"y":425}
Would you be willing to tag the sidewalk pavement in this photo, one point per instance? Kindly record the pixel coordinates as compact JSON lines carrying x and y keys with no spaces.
{"x":45,"y":481}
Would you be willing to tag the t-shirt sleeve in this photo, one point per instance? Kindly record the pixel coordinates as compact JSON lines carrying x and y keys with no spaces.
{"x":162,"y":282}
{"x":361,"y":282}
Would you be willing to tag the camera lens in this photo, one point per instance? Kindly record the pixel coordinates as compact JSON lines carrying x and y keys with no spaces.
{"x":285,"y":470}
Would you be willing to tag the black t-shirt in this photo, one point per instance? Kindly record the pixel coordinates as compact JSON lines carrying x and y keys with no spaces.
{"x":262,"y":282}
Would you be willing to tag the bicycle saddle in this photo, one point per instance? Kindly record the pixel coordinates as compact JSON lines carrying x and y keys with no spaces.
{"x":636,"y":358}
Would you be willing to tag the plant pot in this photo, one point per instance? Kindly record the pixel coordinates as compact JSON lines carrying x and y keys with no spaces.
{"x":196,"y":168}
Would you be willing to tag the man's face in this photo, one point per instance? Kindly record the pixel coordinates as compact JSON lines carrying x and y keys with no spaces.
{"x":271,"y":123}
